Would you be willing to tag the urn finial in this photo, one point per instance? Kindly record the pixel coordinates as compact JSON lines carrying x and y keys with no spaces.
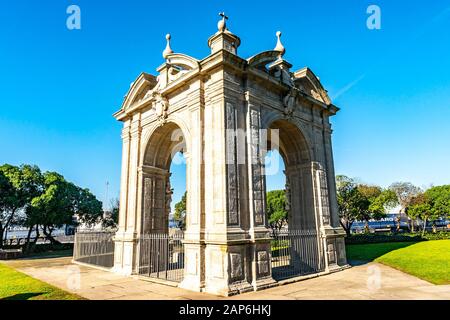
{"x":279,"y":47}
{"x":168,"y":50}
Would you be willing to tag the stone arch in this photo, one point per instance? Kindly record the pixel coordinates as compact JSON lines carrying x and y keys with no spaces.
{"x":172,"y":121}
{"x":268,"y":118}
{"x":293,"y":145}
{"x":164,"y":142}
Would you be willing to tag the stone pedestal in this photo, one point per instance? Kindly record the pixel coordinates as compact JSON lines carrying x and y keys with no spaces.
{"x":125,"y":253}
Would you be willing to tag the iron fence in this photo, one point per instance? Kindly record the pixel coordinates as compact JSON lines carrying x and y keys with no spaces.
{"x":296,"y":253}
{"x":162,"y":256}
{"x":96,"y":248}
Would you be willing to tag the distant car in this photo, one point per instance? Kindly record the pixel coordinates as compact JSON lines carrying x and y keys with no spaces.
{"x":389,"y":223}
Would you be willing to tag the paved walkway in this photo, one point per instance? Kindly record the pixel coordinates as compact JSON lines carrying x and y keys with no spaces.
{"x":369,"y":281}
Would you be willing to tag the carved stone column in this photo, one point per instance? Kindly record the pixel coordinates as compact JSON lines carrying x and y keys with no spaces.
{"x":261,"y":254}
{"x":194,"y":246}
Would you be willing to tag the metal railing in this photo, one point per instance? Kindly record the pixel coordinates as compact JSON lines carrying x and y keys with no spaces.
{"x":162,"y":256}
{"x":96,"y":248}
{"x":19,"y":241}
{"x":296,"y":253}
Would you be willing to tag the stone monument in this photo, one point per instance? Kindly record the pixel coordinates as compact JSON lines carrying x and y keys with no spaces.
{"x":224,"y":113}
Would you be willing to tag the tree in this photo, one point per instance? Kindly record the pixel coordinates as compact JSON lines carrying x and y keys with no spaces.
{"x":419,"y":207}
{"x":366,"y":197}
{"x":440,"y":201}
{"x":33,"y":199}
{"x":32,"y":180}
{"x":379,"y":200}
{"x":87,"y":208}
{"x":5,"y":215}
{"x":111,"y":218}
{"x":405,"y":192}
{"x":430,"y":205}
{"x":349,"y":199}
{"x":276,"y":209}
{"x":378,"y":205}
{"x":179,"y":215}
{"x":55,"y":205}
{"x":361,"y":202}
{"x":18,"y":186}
{"x":60,"y":201}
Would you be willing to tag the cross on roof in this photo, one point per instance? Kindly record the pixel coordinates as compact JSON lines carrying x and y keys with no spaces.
{"x":222,"y":14}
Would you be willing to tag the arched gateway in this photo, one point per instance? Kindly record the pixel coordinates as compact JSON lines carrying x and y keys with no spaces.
{"x":224,"y":113}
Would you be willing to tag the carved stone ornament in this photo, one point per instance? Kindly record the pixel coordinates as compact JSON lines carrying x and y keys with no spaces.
{"x":169,"y":193}
{"x":289,"y":101}
{"x":161,"y":107}
{"x":288,"y":193}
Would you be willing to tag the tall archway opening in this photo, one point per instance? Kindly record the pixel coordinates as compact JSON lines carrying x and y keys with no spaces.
{"x":164,"y":152}
{"x":297,"y":248}
{"x":286,"y":140}
{"x":161,"y":251}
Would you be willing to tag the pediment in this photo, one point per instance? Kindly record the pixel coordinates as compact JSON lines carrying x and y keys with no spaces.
{"x":138,"y":89}
{"x":309,"y":83}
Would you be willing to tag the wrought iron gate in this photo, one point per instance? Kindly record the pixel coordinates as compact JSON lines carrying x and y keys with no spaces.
{"x":162,"y":256}
{"x":296,"y":253}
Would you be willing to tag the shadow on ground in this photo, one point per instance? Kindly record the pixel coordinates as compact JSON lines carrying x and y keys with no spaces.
{"x":49,"y":254}
{"x":23,"y":296}
{"x":359,"y":254}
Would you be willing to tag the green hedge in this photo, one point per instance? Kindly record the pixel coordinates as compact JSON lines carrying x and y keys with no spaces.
{"x":396,"y":237}
{"x":41,"y":248}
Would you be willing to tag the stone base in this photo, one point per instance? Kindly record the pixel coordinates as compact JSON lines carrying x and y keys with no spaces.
{"x":264,"y":283}
{"x":125,"y":253}
{"x":191,"y":283}
{"x":229,"y":290}
{"x":337,"y":268}
{"x":239,"y":287}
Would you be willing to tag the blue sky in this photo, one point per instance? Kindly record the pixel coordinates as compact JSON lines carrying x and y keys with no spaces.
{"x":59,"y":88}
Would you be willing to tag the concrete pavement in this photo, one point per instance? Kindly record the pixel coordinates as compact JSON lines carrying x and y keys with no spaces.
{"x":367,"y":281}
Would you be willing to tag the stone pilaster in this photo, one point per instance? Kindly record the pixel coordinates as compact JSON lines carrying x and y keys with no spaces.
{"x":332,"y":238}
{"x":126,"y":237}
{"x":194,"y":247}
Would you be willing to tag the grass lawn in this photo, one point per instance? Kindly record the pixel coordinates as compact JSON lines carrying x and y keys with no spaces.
{"x":15,"y":285}
{"x":428,"y":260}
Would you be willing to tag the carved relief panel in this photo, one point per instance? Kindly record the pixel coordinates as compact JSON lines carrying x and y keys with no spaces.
{"x":232,"y":165}
{"x":258,"y":185}
{"x":155,"y":213}
{"x":321,"y":193}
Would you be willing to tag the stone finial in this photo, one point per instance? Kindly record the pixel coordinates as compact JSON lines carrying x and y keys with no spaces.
{"x":279,"y":47}
{"x":222,"y":24}
{"x":168,"y":50}
{"x":224,"y":39}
